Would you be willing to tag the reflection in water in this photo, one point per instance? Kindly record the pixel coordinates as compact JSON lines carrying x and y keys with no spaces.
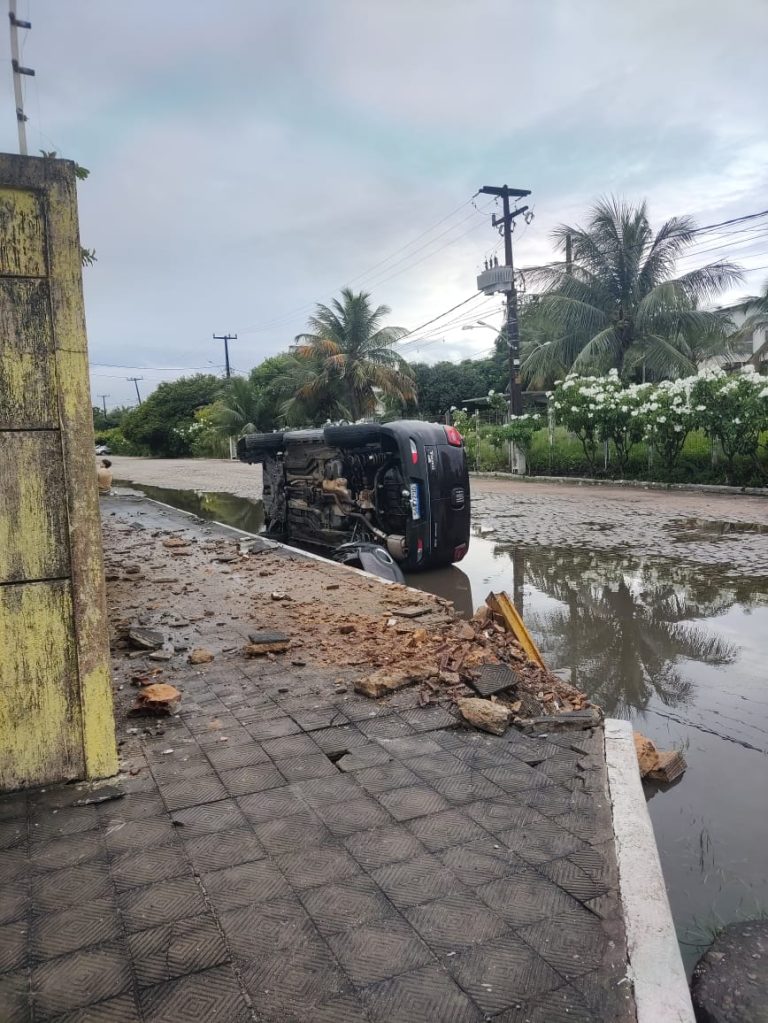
{"x":232,"y":511}
{"x":622,"y":629}
{"x":451,"y":582}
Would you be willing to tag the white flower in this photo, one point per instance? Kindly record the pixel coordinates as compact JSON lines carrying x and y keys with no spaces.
{"x":491,"y":394}
{"x":574,"y":408}
{"x":763,"y":393}
{"x":737,"y":421}
{"x":635,"y":412}
{"x":678,"y":428}
{"x":662,"y":419}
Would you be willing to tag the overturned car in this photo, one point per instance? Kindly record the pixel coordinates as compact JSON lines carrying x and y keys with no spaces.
{"x":375,"y":495}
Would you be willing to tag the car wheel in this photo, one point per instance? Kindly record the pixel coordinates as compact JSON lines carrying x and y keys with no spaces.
{"x":354,"y":436}
{"x":255,"y":447}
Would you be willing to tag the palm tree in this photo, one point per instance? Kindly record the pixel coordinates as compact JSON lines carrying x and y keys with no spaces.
{"x":619,"y":303}
{"x":237,"y":411}
{"x":756,"y":310}
{"x":348,"y":352}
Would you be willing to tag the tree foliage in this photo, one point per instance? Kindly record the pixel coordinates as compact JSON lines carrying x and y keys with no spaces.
{"x":620,"y":305}
{"x":157,"y":425}
{"x":349,"y":356}
{"x":447,"y":385}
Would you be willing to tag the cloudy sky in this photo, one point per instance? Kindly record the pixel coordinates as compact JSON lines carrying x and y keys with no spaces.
{"x":250,"y":157}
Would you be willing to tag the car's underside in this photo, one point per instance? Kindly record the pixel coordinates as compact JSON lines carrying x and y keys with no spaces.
{"x":331,"y":496}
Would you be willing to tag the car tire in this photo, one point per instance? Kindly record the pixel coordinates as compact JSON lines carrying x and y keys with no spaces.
{"x":354,"y":436}
{"x":255,"y":447}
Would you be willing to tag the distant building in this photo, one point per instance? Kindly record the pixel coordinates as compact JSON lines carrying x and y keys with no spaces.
{"x":752,"y":348}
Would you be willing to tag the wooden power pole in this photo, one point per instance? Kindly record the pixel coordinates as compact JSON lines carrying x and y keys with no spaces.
{"x":511,"y":327}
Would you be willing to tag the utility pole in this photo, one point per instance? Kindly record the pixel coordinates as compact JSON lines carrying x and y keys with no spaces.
{"x":18,"y":71}
{"x":226,"y":338}
{"x":511,"y":327}
{"x":135,"y":382}
{"x":104,"y":405}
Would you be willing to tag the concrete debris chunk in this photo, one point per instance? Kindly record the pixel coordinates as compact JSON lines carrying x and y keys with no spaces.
{"x":576,"y":720}
{"x":160,"y":698}
{"x":465,"y":631}
{"x":657,"y":765}
{"x":99,"y":794}
{"x":161,"y":655}
{"x":175,"y":541}
{"x":200,"y":656}
{"x":487,"y":716}
{"x":267,"y":636}
{"x":384,"y":681}
{"x":144,"y":638}
{"x":264,"y":649}
{"x":494,"y":678}
{"x":412,"y":611}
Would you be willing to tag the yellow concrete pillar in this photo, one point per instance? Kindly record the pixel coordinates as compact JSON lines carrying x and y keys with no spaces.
{"x":56,"y":715}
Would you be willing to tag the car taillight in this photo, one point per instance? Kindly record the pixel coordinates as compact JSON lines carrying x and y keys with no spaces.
{"x":453,"y":436}
{"x":419,"y":550}
{"x":459,"y":552}
{"x":414,"y":453}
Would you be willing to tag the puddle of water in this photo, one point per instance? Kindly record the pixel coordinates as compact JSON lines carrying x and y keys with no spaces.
{"x":681,"y":653}
{"x":690,"y":530}
{"x":239,"y":512}
{"x":674,"y":647}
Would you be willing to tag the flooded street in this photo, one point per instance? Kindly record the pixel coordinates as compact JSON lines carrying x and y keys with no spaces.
{"x":675,"y":643}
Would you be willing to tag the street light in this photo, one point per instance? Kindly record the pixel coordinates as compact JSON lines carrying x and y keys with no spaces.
{"x":482,"y":323}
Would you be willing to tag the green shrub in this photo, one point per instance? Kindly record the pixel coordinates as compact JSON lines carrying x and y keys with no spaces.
{"x":117,"y":443}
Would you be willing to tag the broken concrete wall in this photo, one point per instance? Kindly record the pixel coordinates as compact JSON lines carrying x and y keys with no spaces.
{"x":56,"y":718}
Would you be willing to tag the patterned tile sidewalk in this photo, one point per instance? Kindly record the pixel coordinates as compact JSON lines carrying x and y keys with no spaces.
{"x":450,"y":877}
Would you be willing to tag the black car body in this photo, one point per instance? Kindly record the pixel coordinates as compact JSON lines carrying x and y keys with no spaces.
{"x":403,"y":485}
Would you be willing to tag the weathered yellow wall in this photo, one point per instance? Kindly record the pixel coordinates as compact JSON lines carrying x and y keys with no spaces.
{"x":56,"y":717}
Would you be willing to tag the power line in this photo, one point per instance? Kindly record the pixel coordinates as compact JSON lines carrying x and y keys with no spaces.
{"x":441,"y":315}
{"x":733,"y":220}
{"x":286,"y":317}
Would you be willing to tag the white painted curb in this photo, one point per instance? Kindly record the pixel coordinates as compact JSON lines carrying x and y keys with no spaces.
{"x":661,"y":987}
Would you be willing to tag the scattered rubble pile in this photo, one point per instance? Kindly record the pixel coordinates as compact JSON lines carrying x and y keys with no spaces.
{"x":487,"y":668}
{"x":479,"y":665}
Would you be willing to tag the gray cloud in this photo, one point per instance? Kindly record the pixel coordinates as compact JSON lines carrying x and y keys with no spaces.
{"x":248,"y":159}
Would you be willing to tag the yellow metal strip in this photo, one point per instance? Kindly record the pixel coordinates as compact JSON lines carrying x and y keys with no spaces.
{"x":501,"y":604}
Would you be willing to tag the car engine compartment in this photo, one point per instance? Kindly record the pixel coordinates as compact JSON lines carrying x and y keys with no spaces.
{"x":332,"y":496}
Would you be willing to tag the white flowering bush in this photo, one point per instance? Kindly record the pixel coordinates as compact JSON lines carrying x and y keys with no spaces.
{"x":667,"y":418}
{"x":599,"y":409}
{"x":521,"y":429}
{"x":733,"y":409}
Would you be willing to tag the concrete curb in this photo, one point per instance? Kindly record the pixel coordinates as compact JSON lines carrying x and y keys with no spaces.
{"x":586,"y":481}
{"x":661,"y":987}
